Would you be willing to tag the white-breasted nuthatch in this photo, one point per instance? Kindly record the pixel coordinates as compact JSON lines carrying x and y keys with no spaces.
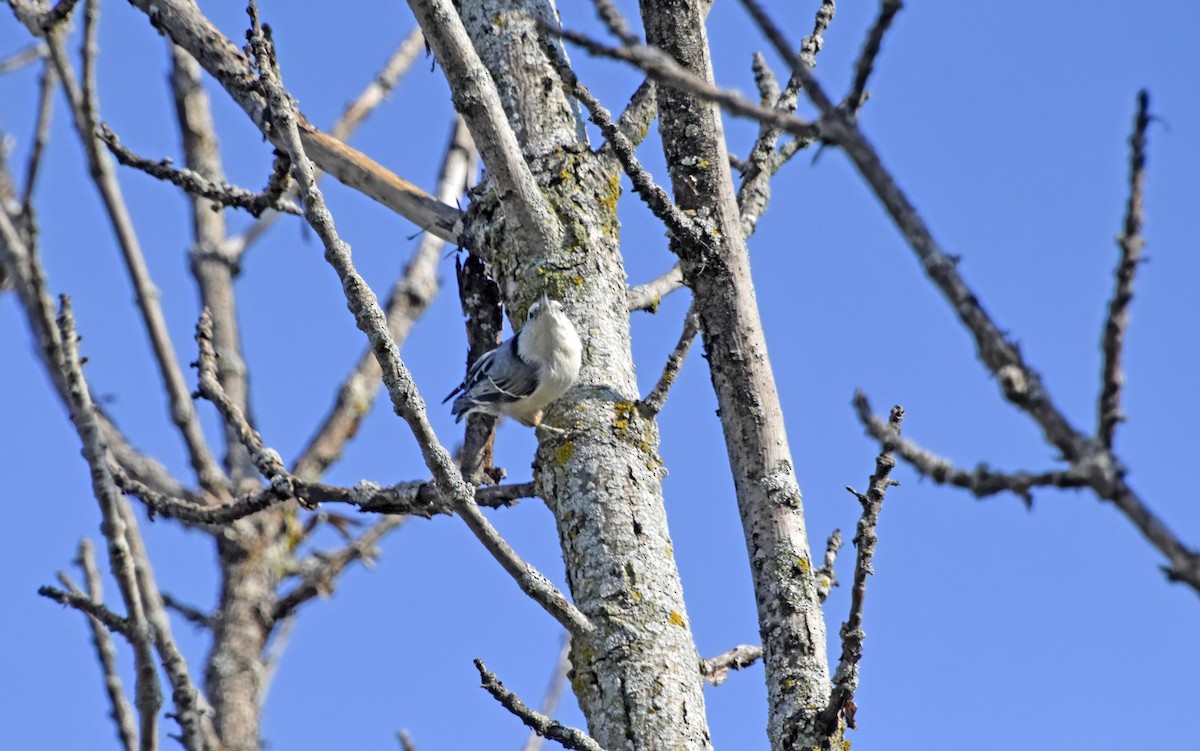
{"x":525,"y":373}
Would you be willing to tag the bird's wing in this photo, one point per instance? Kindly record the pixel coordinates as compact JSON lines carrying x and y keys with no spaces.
{"x":500,"y":375}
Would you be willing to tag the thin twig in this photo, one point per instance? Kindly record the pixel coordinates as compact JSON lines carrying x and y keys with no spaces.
{"x":845,"y":678}
{"x":1020,"y":383}
{"x":106,"y":651}
{"x":405,"y":740}
{"x":22,"y":57}
{"x":91,"y":608}
{"x":866,"y":59}
{"x":403,"y":499}
{"x":148,"y":695}
{"x":565,"y":735}
{"x":653,"y":403}
{"x":355,"y":114}
{"x":410,"y":298}
{"x":83,"y":109}
{"x":616,"y":24}
{"x":558,"y":680}
{"x":321,"y":581}
{"x":192,"y":710}
{"x":764,"y":160}
{"x":647,"y":296}
{"x":196,"y":184}
{"x":266,"y":460}
{"x":190,"y":613}
{"x":1131,"y":243}
{"x":406,"y":401}
{"x":41,"y":136}
{"x":716,"y":669}
{"x":664,"y":70}
{"x":982,"y":481}
{"x":825,"y":574}
{"x":655,"y":198}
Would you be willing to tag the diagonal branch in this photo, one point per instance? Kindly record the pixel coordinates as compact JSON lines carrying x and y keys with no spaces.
{"x":845,"y":679}
{"x":106,"y":651}
{"x":406,"y":401}
{"x":655,"y":198}
{"x":148,"y":695}
{"x":410,"y":298}
{"x":374,"y":94}
{"x":866,"y":59}
{"x":653,"y":403}
{"x":567,"y":736}
{"x":981,"y":481}
{"x":196,"y":184}
{"x":187,"y":27}
{"x":716,"y":669}
{"x":1131,"y":244}
{"x":84,"y":110}
{"x":320,"y":582}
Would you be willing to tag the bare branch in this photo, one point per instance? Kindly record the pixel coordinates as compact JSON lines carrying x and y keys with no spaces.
{"x":616,"y":24}
{"x":558,"y":680}
{"x":41,"y":135}
{"x":1131,"y":244}
{"x":826,"y":580}
{"x":982,"y":481}
{"x":27,"y":56}
{"x":845,"y":679}
{"x":192,"y":710}
{"x":653,"y":403}
{"x":83,"y":109}
{"x":666,"y":71}
{"x":90,"y":608}
{"x":322,"y":580}
{"x":106,"y":651}
{"x":406,"y":401}
{"x":647,"y":296}
{"x":193,"y":182}
{"x":716,"y":669}
{"x":147,"y":691}
{"x":655,"y":198}
{"x":409,"y":299}
{"x":568,"y":737}
{"x":525,"y":208}
{"x":355,"y":114}
{"x":404,"y":499}
{"x":267,"y":461}
{"x":406,"y":741}
{"x":187,"y":27}
{"x":764,"y":160}
{"x":190,"y":613}
{"x":866,"y":59}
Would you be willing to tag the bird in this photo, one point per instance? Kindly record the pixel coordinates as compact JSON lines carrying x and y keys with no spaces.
{"x":527,"y":372}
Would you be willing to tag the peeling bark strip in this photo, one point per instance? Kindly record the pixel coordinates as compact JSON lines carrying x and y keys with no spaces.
{"x":636,"y":673}
{"x":790,"y":620}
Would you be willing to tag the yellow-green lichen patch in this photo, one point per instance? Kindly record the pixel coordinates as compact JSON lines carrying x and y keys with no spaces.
{"x":563,"y":453}
{"x":624,"y":413}
{"x":676,"y":619}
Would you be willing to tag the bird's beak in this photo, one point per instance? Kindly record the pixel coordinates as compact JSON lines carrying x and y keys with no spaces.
{"x":545,"y":299}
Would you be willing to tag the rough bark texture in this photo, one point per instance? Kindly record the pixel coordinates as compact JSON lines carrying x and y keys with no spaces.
{"x":637,"y":674}
{"x":718,"y":271}
{"x":249,"y":577}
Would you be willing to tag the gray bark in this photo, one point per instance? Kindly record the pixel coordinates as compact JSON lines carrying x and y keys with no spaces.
{"x":637,"y":674}
{"x":718,"y":271}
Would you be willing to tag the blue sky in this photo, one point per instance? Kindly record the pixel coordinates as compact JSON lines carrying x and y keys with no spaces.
{"x":987,"y":625}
